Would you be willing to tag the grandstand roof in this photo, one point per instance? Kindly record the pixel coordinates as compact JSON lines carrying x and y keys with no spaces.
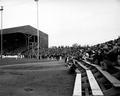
{"x":27,"y":29}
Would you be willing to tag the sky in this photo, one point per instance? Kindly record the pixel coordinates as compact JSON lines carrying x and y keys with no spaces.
{"x":67,"y":21}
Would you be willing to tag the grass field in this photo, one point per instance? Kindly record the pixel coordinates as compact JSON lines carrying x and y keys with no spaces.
{"x":49,"y":78}
{"x":9,"y":61}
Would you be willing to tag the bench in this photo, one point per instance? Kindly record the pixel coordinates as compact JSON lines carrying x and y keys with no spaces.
{"x":112,"y":79}
{"x":78,"y":85}
{"x":96,"y":91}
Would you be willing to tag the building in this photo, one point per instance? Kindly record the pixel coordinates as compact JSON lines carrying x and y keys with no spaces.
{"x":22,"y":38}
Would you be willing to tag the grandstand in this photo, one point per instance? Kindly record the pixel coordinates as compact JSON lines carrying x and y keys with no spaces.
{"x":21,"y":39}
{"x":93,"y":70}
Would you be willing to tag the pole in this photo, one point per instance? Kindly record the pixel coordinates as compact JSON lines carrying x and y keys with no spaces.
{"x":1,"y":30}
{"x":38,"y":36}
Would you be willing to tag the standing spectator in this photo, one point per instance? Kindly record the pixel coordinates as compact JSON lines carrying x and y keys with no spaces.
{"x":118,"y":60}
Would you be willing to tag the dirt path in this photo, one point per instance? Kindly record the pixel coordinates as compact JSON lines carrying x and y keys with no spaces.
{"x":43,"y":79}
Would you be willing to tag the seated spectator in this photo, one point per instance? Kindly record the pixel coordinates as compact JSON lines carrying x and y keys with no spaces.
{"x":72,"y":68}
{"x":108,"y":66}
{"x":118,"y":60}
{"x":112,"y":59}
{"x":98,"y":57}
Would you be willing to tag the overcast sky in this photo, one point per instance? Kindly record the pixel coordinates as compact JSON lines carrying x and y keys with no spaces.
{"x":67,"y":21}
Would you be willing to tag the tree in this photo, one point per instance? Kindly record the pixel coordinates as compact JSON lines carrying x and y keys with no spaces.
{"x":75,"y":45}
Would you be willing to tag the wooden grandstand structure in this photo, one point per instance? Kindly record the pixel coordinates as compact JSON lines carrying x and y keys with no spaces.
{"x":23,"y":37}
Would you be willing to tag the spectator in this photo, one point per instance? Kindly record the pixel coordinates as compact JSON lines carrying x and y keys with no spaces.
{"x":118,"y":60}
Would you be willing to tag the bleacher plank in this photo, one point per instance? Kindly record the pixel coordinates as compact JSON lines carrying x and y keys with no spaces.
{"x":111,"y":78}
{"x":90,"y":63}
{"x":117,"y":67}
{"x":84,"y":67}
{"x":96,"y":91}
{"x":78,"y":86}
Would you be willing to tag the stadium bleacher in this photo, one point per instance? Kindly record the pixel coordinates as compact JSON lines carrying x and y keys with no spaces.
{"x":97,"y":79}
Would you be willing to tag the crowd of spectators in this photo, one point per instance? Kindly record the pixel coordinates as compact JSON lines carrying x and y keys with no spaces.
{"x":106,"y":54}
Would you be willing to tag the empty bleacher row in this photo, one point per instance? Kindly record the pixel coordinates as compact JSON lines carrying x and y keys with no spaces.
{"x":91,"y":80}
